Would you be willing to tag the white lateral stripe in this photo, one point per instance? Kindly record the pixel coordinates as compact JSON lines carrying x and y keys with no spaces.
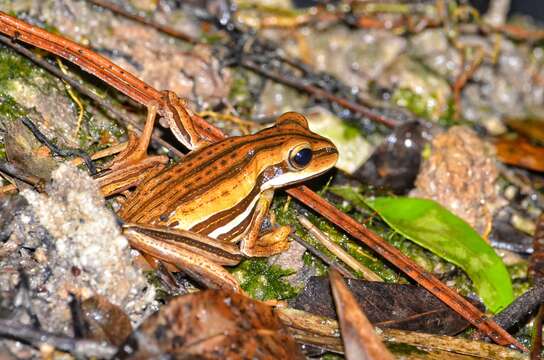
{"x":234,"y":222}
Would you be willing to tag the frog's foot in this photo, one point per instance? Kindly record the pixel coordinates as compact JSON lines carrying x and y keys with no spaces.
{"x":271,"y":243}
{"x":131,"y":166}
{"x":179,"y":119}
{"x":136,"y":149}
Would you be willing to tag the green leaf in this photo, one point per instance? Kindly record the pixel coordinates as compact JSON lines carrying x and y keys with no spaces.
{"x":435,"y":228}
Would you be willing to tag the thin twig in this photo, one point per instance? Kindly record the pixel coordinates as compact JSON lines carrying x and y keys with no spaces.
{"x":74,"y":97}
{"x":78,"y":320}
{"x":8,"y":189}
{"x":14,"y":171}
{"x":25,"y":296}
{"x":338,"y":251}
{"x":454,"y":345}
{"x":322,"y":331}
{"x":536,"y":262}
{"x":463,"y":78}
{"x":321,"y":256}
{"x":450,"y":297}
{"x":497,"y":11}
{"x":321,"y":94}
{"x":524,"y":305}
{"x":300,"y":85}
{"x":112,"y":150}
{"x":243,"y":124}
{"x":518,"y":32}
{"x":153,"y":24}
{"x":55,"y":149}
{"x":12,"y":330}
{"x":102,"y":103}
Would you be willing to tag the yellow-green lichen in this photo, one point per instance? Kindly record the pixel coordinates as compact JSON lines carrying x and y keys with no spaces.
{"x":2,"y":151}
{"x":10,"y":109}
{"x":13,"y":66}
{"x":424,"y":106}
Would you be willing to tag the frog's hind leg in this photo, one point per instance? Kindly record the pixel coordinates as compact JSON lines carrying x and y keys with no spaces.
{"x":271,"y":243}
{"x":137,"y":146}
{"x":132,"y":166}
{"x":199,"y":256}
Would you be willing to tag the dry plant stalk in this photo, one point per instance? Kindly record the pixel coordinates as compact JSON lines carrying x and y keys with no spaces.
{"x":338,"y":250}
{"x":360,"y":341}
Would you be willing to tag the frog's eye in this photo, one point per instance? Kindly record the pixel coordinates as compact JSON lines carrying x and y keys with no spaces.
{"x":300,"y":157}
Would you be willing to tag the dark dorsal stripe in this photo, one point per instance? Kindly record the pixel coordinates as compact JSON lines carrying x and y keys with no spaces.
{"x":157,"y":234}
{"x":176,"y":176}
{"x":158,"y":194}
{"x":224,"y":217}
{"x":239,"y":230}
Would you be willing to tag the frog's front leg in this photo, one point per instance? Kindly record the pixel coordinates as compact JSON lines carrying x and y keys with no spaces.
{"x":271,"y":243}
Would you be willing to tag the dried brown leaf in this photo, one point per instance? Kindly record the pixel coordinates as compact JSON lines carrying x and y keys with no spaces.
{"x":105,"y":320}
{"x":396,"y":306}
{"x":212,"y":324}
{"x":520,"y":152}
{"x":531,"y":128}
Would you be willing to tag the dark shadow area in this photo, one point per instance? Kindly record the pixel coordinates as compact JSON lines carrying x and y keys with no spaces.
{"x":533,"y":8}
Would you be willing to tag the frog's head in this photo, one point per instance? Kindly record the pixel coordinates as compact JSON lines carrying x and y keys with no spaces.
{"x":298,"y":154}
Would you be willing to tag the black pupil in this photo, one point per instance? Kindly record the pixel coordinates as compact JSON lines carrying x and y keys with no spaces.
{"x":303,"y":157}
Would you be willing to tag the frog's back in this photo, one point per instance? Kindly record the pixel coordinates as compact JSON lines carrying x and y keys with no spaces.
{"x":206,"y":181}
